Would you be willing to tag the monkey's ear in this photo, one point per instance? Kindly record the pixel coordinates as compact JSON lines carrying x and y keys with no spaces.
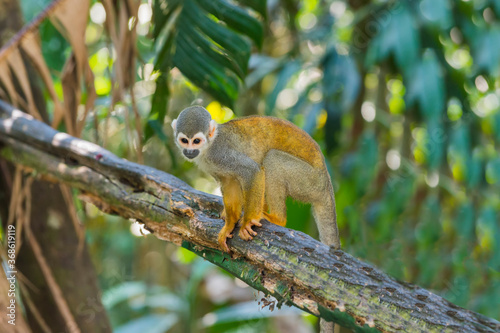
{"x":174,"y":123}
{"x":211,"y":130}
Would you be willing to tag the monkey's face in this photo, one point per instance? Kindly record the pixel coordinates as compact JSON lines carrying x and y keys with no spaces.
{"x":191,"y":147}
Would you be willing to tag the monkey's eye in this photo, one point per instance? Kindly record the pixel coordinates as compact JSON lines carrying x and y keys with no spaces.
{"x":184,"y":140}
{"x":196,"y":141}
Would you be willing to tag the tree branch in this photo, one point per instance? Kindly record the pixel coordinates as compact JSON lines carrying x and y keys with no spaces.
{"x":287,"y":264}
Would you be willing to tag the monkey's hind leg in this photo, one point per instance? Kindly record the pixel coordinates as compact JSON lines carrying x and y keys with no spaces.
{"x":254,"y":205}
{"x":275,"y":189}
{"x":233,"y":203}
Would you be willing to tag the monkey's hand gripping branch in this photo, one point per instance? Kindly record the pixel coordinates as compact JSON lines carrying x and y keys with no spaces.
{"x":287,"y":264}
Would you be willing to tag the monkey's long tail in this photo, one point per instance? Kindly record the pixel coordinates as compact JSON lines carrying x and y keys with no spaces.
{"x":326,"y":219}
{"x":328,"y":327}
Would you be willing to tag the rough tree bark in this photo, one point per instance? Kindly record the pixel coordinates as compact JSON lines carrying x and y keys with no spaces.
{"x":60,"y":246}
{"x":281,"y":262}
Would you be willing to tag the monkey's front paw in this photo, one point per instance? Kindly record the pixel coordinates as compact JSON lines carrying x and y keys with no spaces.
{"x":246,"y":231}
{"x":223,"y":236}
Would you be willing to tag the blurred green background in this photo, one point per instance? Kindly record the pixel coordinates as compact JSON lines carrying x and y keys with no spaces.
{"x":402,"y":96}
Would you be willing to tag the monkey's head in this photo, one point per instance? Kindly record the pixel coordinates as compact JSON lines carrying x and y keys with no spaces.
{"x":194,"y":130}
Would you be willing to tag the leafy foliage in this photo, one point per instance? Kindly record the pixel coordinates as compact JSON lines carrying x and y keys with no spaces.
{"x":206,"y":41}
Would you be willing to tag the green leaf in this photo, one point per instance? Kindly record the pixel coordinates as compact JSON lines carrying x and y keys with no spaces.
{"x":154,"y":124}
{"x":153,"y":323}
{"x":486,"y":51}
{"x":206,"y":46}
{"x":235,"y":17}
{"x":158,"y":299}
{"x":399,"y":37}
{"x":261,"y":66}
{"x":437,"y":12}
{"x":460,"y":141}
{"x":230,"y":42}
{"x":428,"y":230}
{"x":474,"y":169}
{"x":493,"y":171}
{"x":260,"y":6}
{"x":366,"y":161}
{"x":435,"y":144}
{"x":426,"y":87}
{"x":205,"y":72}
{"x":496,"y":126}
{"x":465,"y":220}
{"x":288,"y":70}
{"x":206,"y":43}
{"x":487,"y":231}
{"x":341,"y":81}
{"x":163,"y":11}
{"x":55,"y":51}
{"x":496,"y":6}
{"x":244,"y":312}
{"x":398,"y":190}
{"x":312,"y":118}
{"x":122,"y":292}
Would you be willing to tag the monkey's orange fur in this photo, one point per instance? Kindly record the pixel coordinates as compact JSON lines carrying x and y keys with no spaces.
{"x":260,"y":135}
{"x":259,"y":162}
{"x":266,"y":133}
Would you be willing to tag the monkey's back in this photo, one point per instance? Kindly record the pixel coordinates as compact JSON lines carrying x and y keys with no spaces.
{"x":257,"y":135}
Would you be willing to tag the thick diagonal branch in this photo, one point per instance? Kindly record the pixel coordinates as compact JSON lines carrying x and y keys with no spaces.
{"x":287,"y":264}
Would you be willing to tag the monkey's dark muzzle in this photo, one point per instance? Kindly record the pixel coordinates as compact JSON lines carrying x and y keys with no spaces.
{"x":190,"y":153}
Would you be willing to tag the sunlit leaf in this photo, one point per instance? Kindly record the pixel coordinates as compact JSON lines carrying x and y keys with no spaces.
{"x":163,"y":11}
{"x":158,"y":298}
{"x":122,"y":292}
{"x":153,"y":323}
{"x":258,"y":5}
{"x":167,"y":301}
{"x":243,"y":312}
{"x":206,"y":43}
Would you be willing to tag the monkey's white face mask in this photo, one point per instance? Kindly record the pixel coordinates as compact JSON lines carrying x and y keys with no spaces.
{"x":193,"y":147}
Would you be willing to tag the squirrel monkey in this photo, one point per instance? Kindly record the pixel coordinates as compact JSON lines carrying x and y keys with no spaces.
{"x":258,"y":162}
